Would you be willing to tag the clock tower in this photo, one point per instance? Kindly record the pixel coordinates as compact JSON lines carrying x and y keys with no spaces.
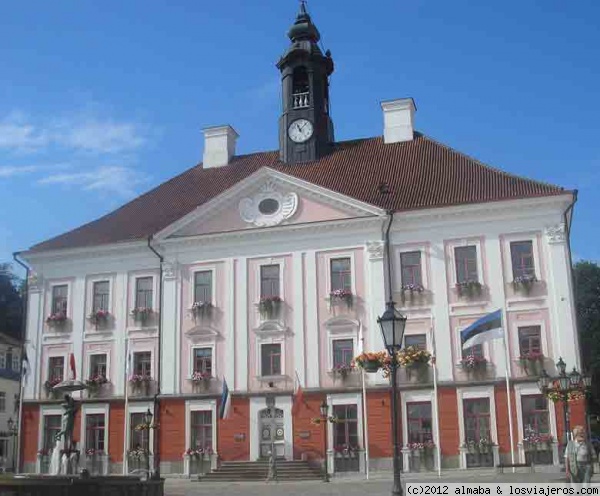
{"x":305,"y":127}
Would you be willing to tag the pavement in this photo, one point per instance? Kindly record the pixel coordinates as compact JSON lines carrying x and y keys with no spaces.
{"x":352,"y":485}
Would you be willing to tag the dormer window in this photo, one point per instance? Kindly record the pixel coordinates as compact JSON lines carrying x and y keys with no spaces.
{"x":300,"y":88}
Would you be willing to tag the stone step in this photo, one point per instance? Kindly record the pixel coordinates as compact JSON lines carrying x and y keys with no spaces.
{"x":288,"y":470}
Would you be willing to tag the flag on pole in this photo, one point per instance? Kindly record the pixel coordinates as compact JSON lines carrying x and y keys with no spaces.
{"x":485,"y":329}
{"x":225,"y":401}
{"x":298,"y":395}
{"x":25,"y":366}
{"x":72,"y":365}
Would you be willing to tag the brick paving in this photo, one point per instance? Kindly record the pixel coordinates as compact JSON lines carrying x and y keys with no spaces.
{"x":379,"y":484}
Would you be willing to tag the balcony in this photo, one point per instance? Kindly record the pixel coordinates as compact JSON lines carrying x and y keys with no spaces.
{"x":301,"y":100}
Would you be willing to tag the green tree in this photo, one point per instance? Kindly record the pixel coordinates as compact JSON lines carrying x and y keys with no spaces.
{"x":11,"y":307}
{"x":587,"y":291}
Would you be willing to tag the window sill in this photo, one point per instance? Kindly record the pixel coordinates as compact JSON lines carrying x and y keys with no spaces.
{"x":272,"y":378}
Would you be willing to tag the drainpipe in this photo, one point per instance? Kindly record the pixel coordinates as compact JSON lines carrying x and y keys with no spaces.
{"x":390,"y":214}
{"x":25,"y":303}
{"x":156,"y":473}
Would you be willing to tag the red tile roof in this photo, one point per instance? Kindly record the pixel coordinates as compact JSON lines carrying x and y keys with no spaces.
{"x":421,"y":173}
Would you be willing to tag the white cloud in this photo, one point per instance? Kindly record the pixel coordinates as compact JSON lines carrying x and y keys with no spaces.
{"x":105,"y":179}
{"x":98,"y":136}
{"x":17,"y":170}
{"x":19,"y":135}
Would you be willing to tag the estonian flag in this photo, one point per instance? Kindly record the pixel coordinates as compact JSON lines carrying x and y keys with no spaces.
{"x":225,"y":401}
{"x":484,"y":329}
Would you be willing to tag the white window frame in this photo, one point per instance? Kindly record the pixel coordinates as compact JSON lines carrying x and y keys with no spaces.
{"x":345,"y":399}
{"x":341,"y":328}
{"x":478,"y":392}
{"x":269,"y":340}
{"x":272,"y":261}
{"x":514,"y":335}
{"x":65,"y":365}
{"x":335,"y":255}
{"x":44,"y":412}
{"x":200,"y":406}
{"x":202,"y":268}
{"x":133,"y":277}
{"x":93,"y":409}
{"x":50,"y":290}
{"x":90,"y":292}
{"x":451,"y":245}
{"x":410,"y":248}
{"x":419,"y":396}
{"x":2,"y":359}
{"x":3,"y":396}
{"x":507,"y":239}
{"x":16,"y":362}
{"x":98,"y":352}
{"x":138,"y":408}
{"x":143,"y":350}
{"x":212,"y":346}
{"x":418,"y":332}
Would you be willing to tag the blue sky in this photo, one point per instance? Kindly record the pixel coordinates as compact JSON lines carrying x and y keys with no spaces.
{"x":100,"y":101}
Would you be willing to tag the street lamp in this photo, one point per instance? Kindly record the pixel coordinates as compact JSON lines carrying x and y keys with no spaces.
{"x":148,"y":422}
{"x":563,"y":385}
{"x":13,"y":429}
{"x":392,"y":324}
{"x":324,"y":410}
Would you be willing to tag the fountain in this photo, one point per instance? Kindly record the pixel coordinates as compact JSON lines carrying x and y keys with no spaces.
{"x":65,"y":478}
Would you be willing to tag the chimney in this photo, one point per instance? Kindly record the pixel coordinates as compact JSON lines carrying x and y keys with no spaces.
{"x":219,"y":146}
{"x":398,"y":118}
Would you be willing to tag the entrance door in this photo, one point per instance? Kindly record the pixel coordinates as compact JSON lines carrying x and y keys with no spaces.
{"x":272,"y":432}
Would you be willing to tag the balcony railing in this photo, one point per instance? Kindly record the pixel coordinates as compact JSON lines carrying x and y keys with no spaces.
{"x":300,"y":100}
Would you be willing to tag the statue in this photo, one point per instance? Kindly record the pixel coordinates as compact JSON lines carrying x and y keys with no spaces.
{"x":67,"y":423}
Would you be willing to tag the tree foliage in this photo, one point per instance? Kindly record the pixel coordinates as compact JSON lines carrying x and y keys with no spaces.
{"x":587,"y":287}
{"x":11,"y":307}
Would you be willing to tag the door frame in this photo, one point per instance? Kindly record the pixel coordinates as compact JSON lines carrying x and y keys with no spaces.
{"x":260,"y":403}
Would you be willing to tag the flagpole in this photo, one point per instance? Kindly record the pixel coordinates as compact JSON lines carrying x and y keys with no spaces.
{"x":507,"y":367}
{"x":436,"y":404}
{"x":126,"y":415}
{"x":365,"y":415}
{"x":17,"y":462}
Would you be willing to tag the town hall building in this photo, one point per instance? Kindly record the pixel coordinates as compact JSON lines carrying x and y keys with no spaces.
{"x":267,"y":271}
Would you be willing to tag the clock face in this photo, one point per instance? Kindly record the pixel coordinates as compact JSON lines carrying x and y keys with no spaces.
{"x":300,"y":130}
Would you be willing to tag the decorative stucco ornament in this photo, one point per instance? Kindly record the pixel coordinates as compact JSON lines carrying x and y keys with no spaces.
{"x":268,"y":207}
{"x":375,"y":249}
{"x":556,"y":234}
{"x":169,"y":270}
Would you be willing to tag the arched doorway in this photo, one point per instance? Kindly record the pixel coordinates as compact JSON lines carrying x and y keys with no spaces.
{"x":272,"y":432}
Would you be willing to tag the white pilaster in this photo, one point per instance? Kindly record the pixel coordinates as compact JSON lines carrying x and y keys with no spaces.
{"x":78,"y":320}
{"x":312,"y":321}
{"x":239,"y":337}
{"x":33,"y":343}
{"x":170,"y":366}
{"x":298,"y":284}
{"x":375,"y":288}
{"x":120,"y":358}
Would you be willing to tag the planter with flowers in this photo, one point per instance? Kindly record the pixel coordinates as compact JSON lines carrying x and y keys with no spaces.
{"x":99,"y":319}
{"x":532,"y":363}
{"x":469,"y":289}
{"x":553,"y":394}
{"x":57,"y":321}
{"x":474,"y":364}
{"x":199,"y":460}
{"x":201,"y":310}
{"x":538,"y":448}
{"x":481,"y":447}
{"x":342,"y":370}
{"x":346,"y":458}
{"x":136,"y":459}
{"x":269,"y":307}
{"x":421,"y":455}
{"x":140,"y":384}
{"x":142,"y":315}
{"x":411,"y":291}
{"x":370,"y":362}
{"x":43,"y":460}
{"x":51,"y":393}
{"x":200,"y":380}
{"x":94,"y":385}
{"x":415,"y":361}
{"x":94,"y":461}
{"x":341,"y":297}
{"x":524,"y":283}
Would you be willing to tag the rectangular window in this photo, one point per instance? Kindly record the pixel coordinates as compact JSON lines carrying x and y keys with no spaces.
{"x":203,"y":360}
{"x":476,"y":350}
{"x":418,"y":341}
{"x":142,"y":363}
{"x":269,"y":281}
{"x":410,"y":263}
{"x":203,"y":286}
{"x":3,"y":448}
{"x":341,"y":274}
{"x":477,"y":419}
{"x":95,"y":432}
{"x":16,"y":363}
{"x":343,"y":352}
{"x":56,"y":368}
{"x":201,"y":430}
{"x":60,"y":299}
{"x":136,"y":437}
{"x":98,"y":365}
{"x":530,"y":340}
{"x":2,"y":401}
{"x":420,"y":427}
{"x":144,"y":290}
{"x":101,"y":291}
{"x":51,"y":429}
{"x":2,"y":360}
{"x":345,"y":434}
{"x":521,"y":254}
{"x":270,"y":359}
{"x":465,"y":258}
{"x":535,"y":414}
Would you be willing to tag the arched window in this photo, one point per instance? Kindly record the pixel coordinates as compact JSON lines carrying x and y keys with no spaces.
{"x":300,"y":88}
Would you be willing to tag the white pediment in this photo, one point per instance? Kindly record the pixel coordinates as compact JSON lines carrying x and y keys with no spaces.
{"x":341,"y":324}
{"x":202,"y":333}
{"x":271,"y":328}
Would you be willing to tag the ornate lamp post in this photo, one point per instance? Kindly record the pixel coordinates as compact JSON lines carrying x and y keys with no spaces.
{"x":392,"y":325}
{"x":13,"y":430}
{"x":148,"y":425}
{"x":562,"y":387}
{"x":324,"y":410}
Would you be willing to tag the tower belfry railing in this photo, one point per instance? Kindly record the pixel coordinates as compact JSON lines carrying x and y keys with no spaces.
{"x":301,"y":100}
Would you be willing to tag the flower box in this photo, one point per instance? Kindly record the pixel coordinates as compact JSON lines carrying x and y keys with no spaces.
{"x":469,"y":289}
{"x":342,"y":370}
{"x":94,"y":384}
{"x":483,"y":446}
{"x":524,"y":283}
{"x":200,"y":380}
{"x":140,"y":383}
{"x":51,"y":393}
{"x":57,"y":320}
{"x":341,"y":296}
{"x":411,"y":291}
{"x":473,"y":363}
{"x":269,"y":307}
{"x":532,"y":363}
{"x":201,"y":309}
{"x":142,"y":314}
{"x":370,"y":362}
{"x":99,"y":318}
